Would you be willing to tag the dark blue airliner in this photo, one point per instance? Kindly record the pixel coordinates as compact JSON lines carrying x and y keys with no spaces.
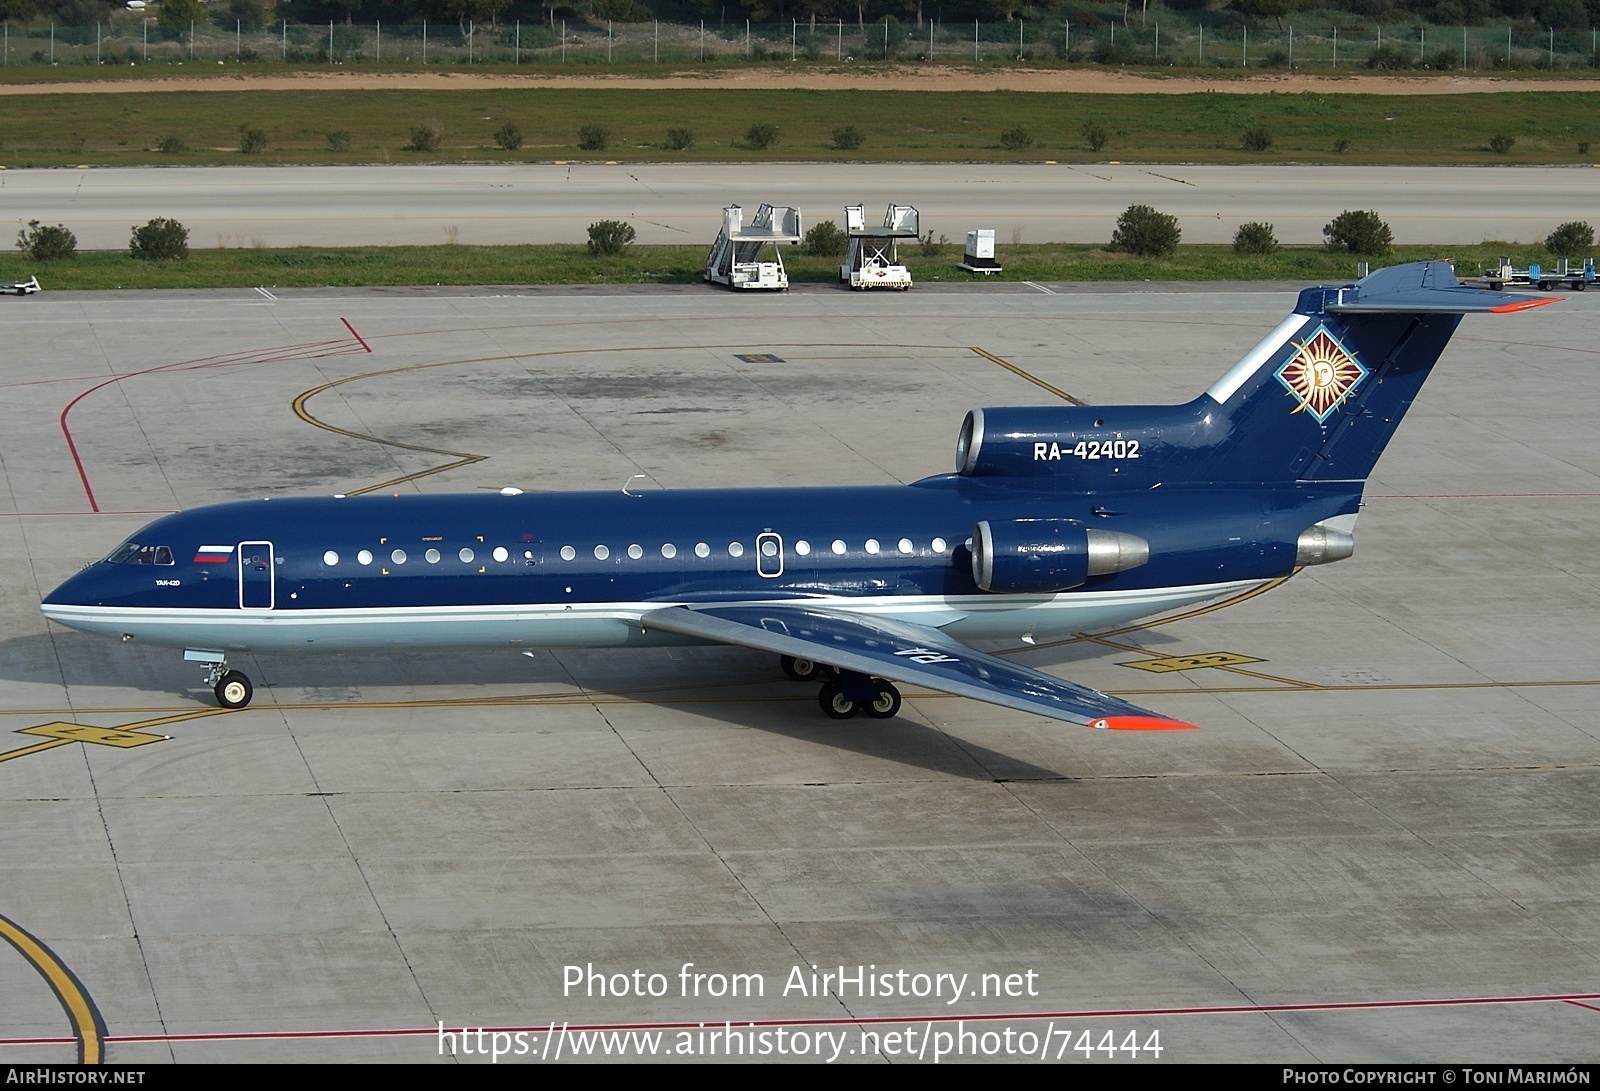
{"x":1058,"y":519}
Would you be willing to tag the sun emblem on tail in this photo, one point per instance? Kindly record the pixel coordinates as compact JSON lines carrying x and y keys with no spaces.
{"x":1321,"y":374}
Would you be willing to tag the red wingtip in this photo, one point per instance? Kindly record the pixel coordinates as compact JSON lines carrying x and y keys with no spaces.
{"x":1140,"y":723}
{"x":1523,"y":305}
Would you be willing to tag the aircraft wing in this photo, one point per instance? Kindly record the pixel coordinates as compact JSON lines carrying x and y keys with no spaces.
{"x":903,"y":652}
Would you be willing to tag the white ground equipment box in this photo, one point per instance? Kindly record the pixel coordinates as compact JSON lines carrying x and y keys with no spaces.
{"x":873,"y":260}
{"x":735,"y":258}
{"x":980,"y":252}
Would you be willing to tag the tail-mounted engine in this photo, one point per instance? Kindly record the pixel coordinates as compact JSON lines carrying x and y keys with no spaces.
{"x":1042,"y":556}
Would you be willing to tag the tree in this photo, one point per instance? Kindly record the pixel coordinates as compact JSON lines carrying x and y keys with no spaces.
{"x":847,"y":138}
{"x":1254,"y":238}
{"x":180,"y":15}
{"x":1143,"y":231}
{"x":594,"y":138}
{"x":825,"y":240}
{"x":1016,"y":139}
{"x":426,"y":137}
{"x":44,"y":243}
{"x":1256,"y":138}
{"x":1569,"y":240}
{"x":508,"y":137}
{"x":1265,"y":9}
{"x":1358,"y":233}
{"x":252,"y":140}
{"x":1095,"y":135}
{"x":680,"y":140}
{"x":160,"y":240}
{"x":608,"y":238}
{"x":763,"y":135}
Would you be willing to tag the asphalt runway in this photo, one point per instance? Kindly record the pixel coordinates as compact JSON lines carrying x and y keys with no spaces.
{"x":1380,"y":847}
{"x":549,"y":203}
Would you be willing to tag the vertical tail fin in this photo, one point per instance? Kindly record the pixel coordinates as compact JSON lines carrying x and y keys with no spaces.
{"x":1319,"y":399}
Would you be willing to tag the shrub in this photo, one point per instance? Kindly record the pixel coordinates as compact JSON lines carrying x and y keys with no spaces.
{"x":171,"y":145}
{"x":508,"y":137}
{"x":160,"y":240}
{"x":680,"y":139}
{"x":1016,"y":139}
{"x":44,"y":243}
{"x":1254,"y":238}
{"x":426,"y":137}
{"x":1501,"y":143}
{"x":1095,"y":135}
{"x":1341,"y":145}
{"x":1583,"y":147}
{"x":594,"y":138}
{"x":1358,"y":233}
{"x":825,"y":240}
{"x":1570,"y":239}
{"x":1256,"y":139}
{"x":339,"y":141}
{"x":252,"y":140}
{"x":1390,"y":58}
{"x":1143,"y":231}
{"x":763,"y":135}
{"x":930,"y":248}
{"x":610,"y":237}
{"x":847,"y":138}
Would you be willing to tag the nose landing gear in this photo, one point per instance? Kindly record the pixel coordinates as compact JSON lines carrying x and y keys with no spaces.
{"x":233,"y":688}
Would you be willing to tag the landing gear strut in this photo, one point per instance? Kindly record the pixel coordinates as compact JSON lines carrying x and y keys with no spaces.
{"x":852,"y":693}
{"x":232,"y":688}
{"x":845,"y":693}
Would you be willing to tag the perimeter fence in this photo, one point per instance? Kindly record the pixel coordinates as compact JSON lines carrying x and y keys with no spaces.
{"x":1333,"y":43}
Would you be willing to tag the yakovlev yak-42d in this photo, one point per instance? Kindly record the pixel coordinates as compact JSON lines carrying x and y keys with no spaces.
{"x":1058,"y":520}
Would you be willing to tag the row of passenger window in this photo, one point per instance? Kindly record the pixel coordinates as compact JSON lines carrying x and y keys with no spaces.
{"x":769,"y":548}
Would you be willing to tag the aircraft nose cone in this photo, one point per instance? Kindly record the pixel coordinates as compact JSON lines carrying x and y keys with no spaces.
{"x":78,"y":590}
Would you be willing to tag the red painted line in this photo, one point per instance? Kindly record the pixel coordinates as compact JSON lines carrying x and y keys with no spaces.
{"x":883,"y":1020}
{"x":304,"y":351}
{"x":54,"y":514}
{"x":1581,"y":1004}
{"x":354,"y":334}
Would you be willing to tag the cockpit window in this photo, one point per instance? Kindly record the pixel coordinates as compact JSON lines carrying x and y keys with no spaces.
{"x":133,"y":553}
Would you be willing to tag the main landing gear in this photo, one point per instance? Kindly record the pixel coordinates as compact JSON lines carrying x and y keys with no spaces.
{"x":232,"y":688}
{"x":845,"y":693}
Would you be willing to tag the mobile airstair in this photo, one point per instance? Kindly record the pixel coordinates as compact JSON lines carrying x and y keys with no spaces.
{"x":873,"y":259}
{"x":736,"y":256}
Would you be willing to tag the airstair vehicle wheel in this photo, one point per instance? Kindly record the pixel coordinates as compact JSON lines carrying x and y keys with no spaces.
{"x":234,"y":690}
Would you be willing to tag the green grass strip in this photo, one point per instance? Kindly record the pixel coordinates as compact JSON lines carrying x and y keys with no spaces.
{"x":374,"y":126}
{"x":309,"y":267}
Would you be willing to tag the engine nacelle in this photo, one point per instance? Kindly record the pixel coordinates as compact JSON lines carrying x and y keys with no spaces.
{"x":1121,"y":445}
{"x":1043,"y":556}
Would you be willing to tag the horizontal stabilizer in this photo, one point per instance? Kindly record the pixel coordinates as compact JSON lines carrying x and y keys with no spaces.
{"x":903,"y":652}
{"x":1427,"y":287}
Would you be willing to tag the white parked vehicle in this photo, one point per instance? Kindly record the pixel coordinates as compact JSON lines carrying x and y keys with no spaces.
{"x":23,"y":287}
{"x":736,"y":256}
{"x":873,"y":259}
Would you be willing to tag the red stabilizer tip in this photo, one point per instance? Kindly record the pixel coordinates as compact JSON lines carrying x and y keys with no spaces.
{"x":1523,"y":305}
{"x":1140,"y":723}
